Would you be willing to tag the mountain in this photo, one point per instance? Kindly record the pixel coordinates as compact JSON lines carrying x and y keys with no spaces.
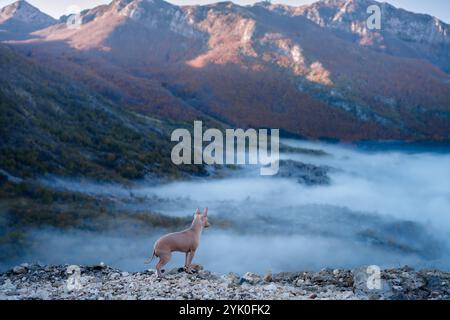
{"x":51,"y":124}
{"x":294,"y":68}
{"x":403,"y":33}
{"x":19,"y":19}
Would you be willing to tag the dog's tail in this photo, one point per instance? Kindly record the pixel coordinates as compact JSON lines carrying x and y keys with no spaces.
{"x":148,"y":261}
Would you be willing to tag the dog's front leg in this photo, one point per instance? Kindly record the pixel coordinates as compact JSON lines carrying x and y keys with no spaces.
{"x":186,"y":262}
{"x":189,"y":257}
{"x":187,"y":265}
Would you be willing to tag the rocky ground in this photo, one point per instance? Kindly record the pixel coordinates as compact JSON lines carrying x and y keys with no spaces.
{"x":103,"y":282}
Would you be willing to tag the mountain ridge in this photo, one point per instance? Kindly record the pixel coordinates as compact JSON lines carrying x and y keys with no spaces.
{"x":213,"y":60}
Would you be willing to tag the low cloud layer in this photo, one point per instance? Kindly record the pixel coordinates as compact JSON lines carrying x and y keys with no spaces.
{"x":386,"y":208}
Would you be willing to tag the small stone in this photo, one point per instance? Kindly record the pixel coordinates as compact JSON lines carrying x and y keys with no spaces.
{"x":232,"y":279}
{"x":268,"y":276}
{"x":313,"y":296}
{"x":251,"y":278}
{"x":175,"y":271}
{"x":100,"y":266}
{"x":196,"y":267}
{"x":285,"y":295}
{"x":19,"y":270}
{"x":435,"y":294}
{"x":299,"y":282}
{"x":270,"y":287}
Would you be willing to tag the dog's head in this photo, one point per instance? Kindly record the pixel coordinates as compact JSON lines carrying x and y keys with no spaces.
{"x":202,"y":218}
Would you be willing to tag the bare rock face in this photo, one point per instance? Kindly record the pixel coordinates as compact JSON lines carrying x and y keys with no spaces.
{"x":402,"y":33}
{"x":55,"y":283}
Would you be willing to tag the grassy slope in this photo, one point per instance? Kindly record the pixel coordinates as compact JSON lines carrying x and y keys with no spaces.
{"x":52,"y":125}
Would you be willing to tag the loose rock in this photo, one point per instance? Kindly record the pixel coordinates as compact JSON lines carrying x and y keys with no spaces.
{"x":105,"y":283}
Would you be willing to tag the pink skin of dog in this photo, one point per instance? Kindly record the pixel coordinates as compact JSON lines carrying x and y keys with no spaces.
{"x":186,"y":241}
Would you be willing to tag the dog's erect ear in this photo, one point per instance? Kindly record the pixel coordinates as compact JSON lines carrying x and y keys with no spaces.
{"x":205,"y":212}
{"x":198,"y":211}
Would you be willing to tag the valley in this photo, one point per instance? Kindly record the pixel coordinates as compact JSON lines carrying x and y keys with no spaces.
{"x":87,"y":113}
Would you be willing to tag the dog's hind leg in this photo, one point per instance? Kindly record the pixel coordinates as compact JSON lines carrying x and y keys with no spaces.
{"x":163,"y":259}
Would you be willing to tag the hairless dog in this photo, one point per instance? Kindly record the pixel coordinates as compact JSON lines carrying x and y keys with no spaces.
{"x":186,"y":241}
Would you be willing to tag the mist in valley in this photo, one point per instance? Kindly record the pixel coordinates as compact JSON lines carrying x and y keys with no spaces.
{"x":388,"y":208}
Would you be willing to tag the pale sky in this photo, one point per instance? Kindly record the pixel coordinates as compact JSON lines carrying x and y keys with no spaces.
{"x":56,"y":8}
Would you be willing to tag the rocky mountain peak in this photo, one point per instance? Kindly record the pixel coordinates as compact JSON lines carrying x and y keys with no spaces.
{"x":26,"y":13}
{"x":403,"y":33}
